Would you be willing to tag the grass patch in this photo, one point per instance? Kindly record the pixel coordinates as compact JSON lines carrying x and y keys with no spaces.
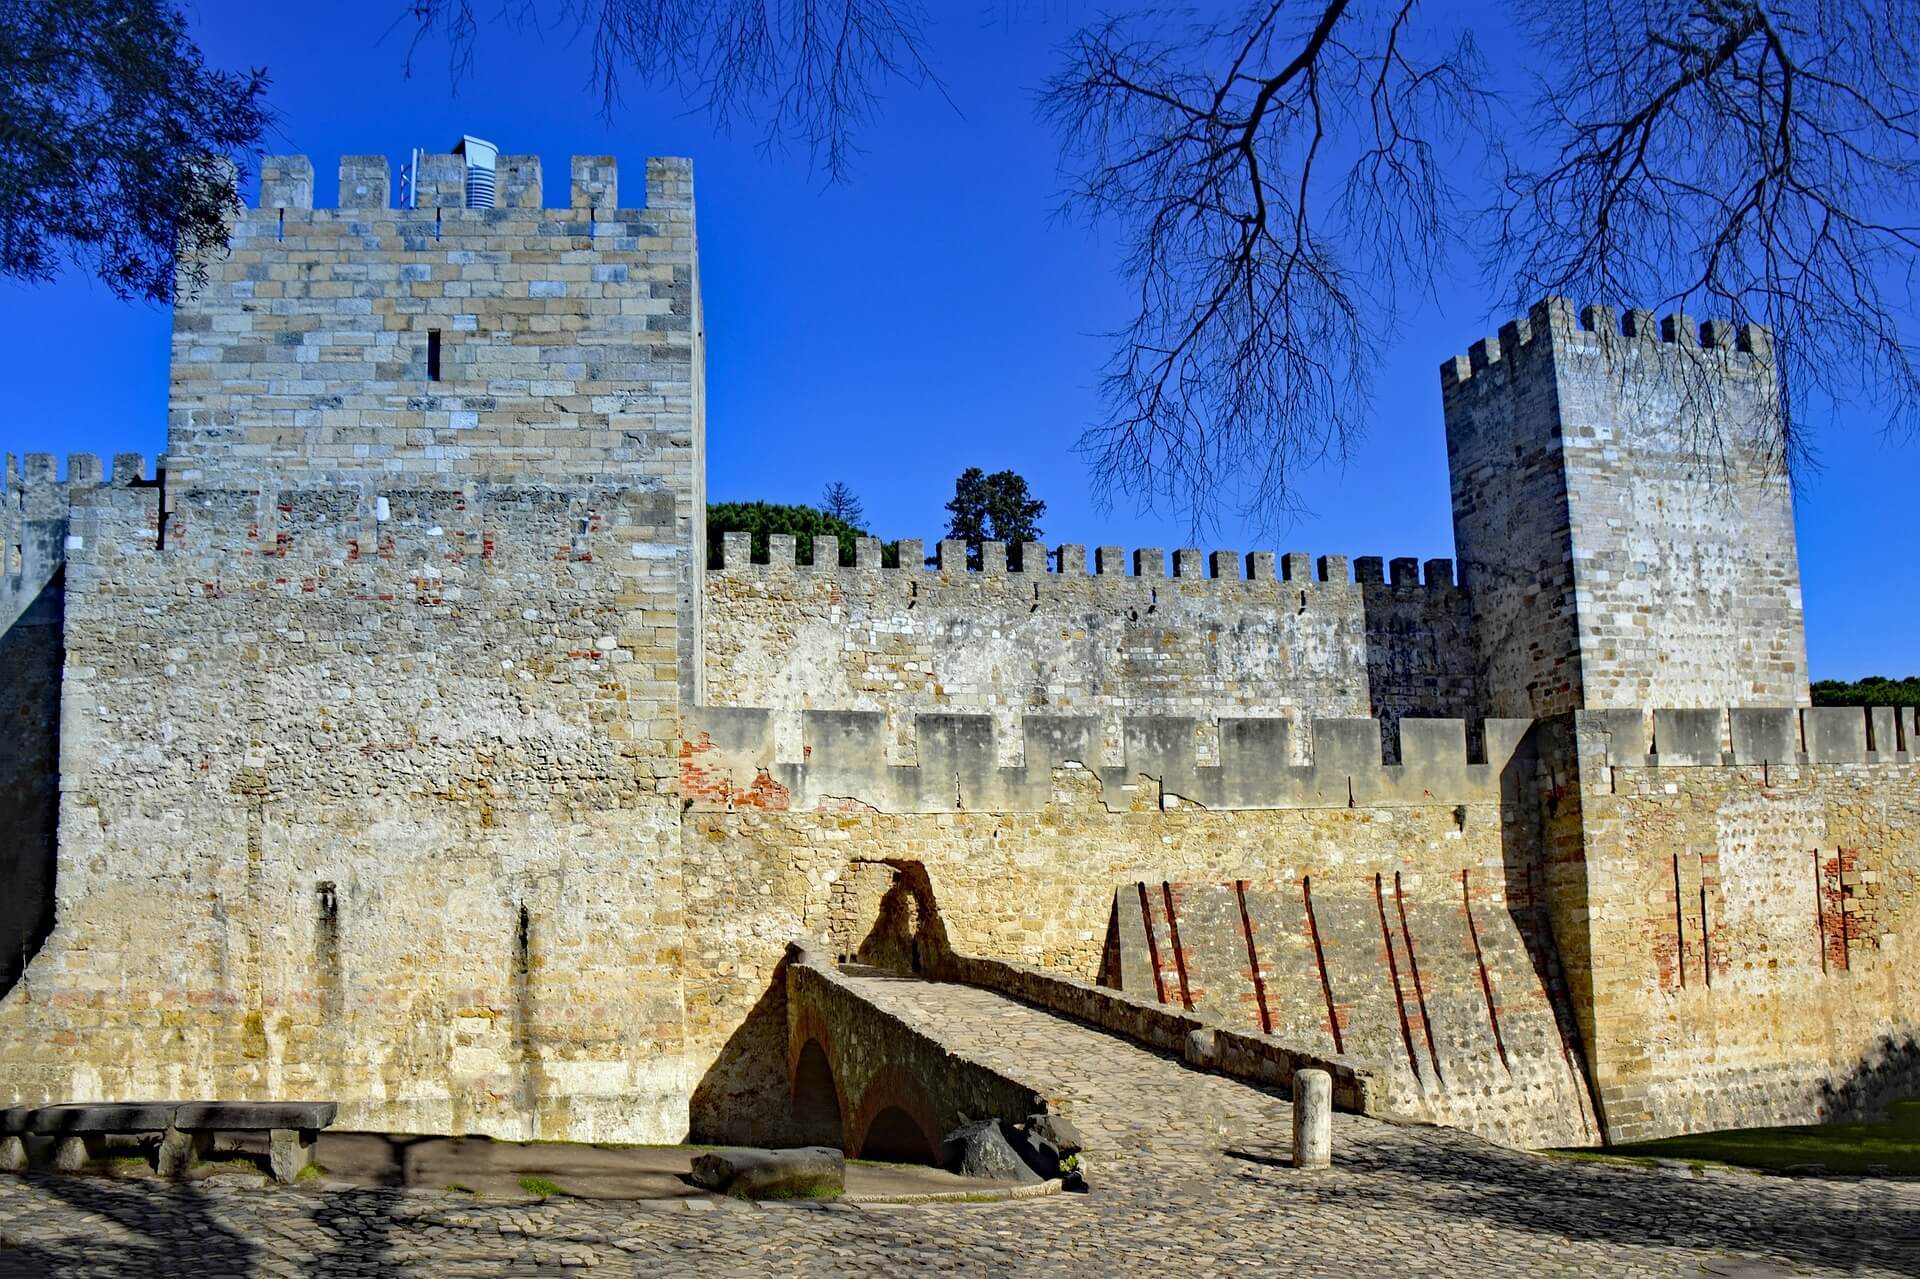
{"x":1893,"y":1144}
{"x":806,"y":1192}
{"x":128,"y":1161}
{"x":312,"y":1172}
{"x":535,"y":1184}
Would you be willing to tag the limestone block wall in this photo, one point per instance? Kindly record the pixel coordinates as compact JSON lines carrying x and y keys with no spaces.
{"x":33,"y":536}
{"x":442,"y":343}
{"x":1741,"y":899}
{"x":1443,"y":974}
{"x":367,"y":795}
{"x":1029,"y":875}
{"x":1225,"y":635}
{"x":1622,"y":514}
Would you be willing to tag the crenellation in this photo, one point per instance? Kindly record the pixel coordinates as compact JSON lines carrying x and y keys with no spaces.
{"x":596,"y":182}
{"x":286,"y":182}
{"x":366,"y":182}
{"x":1150,"y":561}
{"x":1189,"y":562}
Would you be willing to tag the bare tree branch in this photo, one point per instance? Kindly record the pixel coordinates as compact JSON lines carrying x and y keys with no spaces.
{"x":1750,"y":160}
{"x":809,"y":72}
{"x":1272,"y":217}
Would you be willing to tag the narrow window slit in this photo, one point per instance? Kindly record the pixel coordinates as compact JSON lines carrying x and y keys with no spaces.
{"x":433,"y":355}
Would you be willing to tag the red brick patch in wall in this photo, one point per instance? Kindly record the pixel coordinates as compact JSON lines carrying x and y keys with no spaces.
{"x":704,"y":780}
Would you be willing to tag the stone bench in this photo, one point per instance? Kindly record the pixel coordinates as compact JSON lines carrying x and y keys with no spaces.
{"x":186,"y":1130}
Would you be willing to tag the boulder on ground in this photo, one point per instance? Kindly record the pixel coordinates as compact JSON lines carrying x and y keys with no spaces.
{"x":986,"y":1148}
{"x":808,"y":1172}
{"x":1051,"y":1147}
{"x":1056,"y":1130}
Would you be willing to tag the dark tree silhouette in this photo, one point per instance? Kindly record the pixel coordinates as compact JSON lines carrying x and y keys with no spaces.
{"x":120,"y":149}
{"x":839,"y":501}
{"x":993,"y":508}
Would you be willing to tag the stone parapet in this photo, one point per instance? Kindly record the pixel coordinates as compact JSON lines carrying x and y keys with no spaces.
{"x":730,"y":759}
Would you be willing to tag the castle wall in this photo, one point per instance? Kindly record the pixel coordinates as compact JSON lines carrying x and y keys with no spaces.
{"x":371,"y":809}
{"x":571,"y":340}
{"x":1221,"y":637}
{"x":1023,"y":864}
{"x":1751,"y":913}
{"x":33,"y":534}
{"x":1622,"y":516}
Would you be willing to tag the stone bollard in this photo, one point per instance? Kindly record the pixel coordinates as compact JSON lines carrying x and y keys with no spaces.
{"x":1202,"y":1049}
{"x":69,"y":1154}
{"x":13,"y":1153}
{"x":1312,"y":1119}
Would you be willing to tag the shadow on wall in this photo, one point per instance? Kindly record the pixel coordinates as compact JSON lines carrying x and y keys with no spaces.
{"x":750,"y":1097}
{"x":1889,"y":1072}
{"x":1539,"y":801}
{"x":31,"y":656}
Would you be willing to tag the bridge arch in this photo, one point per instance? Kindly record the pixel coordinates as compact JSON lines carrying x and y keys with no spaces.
{"x":895,"y":1121}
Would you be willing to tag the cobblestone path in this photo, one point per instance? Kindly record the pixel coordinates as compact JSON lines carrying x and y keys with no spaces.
{"x":1189,"y":1177}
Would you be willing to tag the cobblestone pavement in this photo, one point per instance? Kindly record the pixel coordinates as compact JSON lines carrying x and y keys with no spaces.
{"x":1189,"y":1172}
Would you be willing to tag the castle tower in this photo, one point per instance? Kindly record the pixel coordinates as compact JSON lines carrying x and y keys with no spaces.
{"x":371,"y":698}
{"x":434,"y":346}
{"x":1621,"y":519}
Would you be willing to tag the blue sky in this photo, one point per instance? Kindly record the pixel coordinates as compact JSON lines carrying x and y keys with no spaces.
{"x":929,"y":315}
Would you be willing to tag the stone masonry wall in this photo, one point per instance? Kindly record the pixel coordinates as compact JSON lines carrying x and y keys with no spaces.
{"x":1031,"y":878}
{"x":570,"y":340}
{"x":33,"y":535}
{"x":1748,"y":914}
{"x":1624,"y":521}
{"x":367,"y":795}
{"x":1222,"y":637}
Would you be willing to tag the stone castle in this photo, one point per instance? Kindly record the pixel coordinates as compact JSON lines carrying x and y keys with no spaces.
{"x":391,"y":741}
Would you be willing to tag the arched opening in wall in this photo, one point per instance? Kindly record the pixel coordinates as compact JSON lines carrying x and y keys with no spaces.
{"x":816,"y":1103}
{"x":895,"y":1137}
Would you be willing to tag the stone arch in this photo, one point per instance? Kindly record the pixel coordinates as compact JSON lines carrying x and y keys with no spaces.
{"x":816,"y":1092}
{"x":894,"y":1115}
{"x":814,"y":1099}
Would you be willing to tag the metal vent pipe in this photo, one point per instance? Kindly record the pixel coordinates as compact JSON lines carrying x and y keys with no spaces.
{"x":481,"y":157}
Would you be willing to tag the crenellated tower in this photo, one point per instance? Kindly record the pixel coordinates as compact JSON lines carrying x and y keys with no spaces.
{"x":1622,"y":518}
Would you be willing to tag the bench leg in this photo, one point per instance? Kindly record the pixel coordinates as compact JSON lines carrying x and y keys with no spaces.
{"x":13,"y":1154}
{"x":289,"y":1150}
{"x":180,"y":1150}
{"x":69,"y":1154}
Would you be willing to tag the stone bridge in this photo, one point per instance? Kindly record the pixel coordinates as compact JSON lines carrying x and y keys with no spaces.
{"x":865,"y":1078}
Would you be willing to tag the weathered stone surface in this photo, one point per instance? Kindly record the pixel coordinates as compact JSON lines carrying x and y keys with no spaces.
{"x":256,"y":1115}
{"x":1312,"y":1119}
{"x":804,"y":1173}
{"x":179,"y":1150}
{"x":983,"y":1149}
{"x":69,"y":1154}
{"x":289,"y":1151}
{"x":13,"y":1153}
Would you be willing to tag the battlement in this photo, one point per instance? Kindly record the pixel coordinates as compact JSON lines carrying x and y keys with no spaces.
{"x":1747,"y":736}
{"x":729,"y":759}
{"x":35,"y":490}
{"x":1069,"y":561}
{"x":367,"y":183}
{"x":1744,"y":348}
